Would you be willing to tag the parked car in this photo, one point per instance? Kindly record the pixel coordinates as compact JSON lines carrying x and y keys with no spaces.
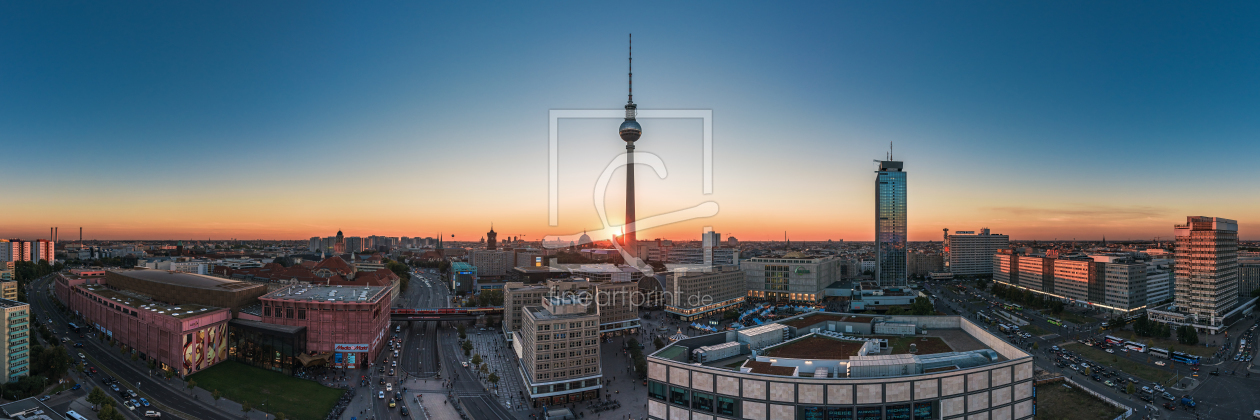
{"x":1160,"y":363}
{"x":1170,"y":406}
{"x":152,"y":413}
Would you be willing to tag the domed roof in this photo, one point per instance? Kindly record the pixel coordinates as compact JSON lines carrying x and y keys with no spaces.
{"x":584,"y":239}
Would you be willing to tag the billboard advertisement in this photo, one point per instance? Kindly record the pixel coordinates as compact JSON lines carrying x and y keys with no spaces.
{"x":204,"y":348}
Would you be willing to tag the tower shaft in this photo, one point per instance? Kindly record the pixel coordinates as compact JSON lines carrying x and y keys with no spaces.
{"x":630,"y":241}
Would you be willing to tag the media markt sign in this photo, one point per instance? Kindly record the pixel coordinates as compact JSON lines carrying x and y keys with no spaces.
{"x":358,"y":348}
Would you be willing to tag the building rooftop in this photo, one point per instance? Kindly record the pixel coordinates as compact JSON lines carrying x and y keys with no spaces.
{"x":818,"y":317}
{"x":182,"y":279}
{"x":944,"y":343}
{"x":315,"y":293}
{"x":816,"y":347}
{"x":5,"y":303}
{"x":29,"y":409}
{"x":142,"y":302}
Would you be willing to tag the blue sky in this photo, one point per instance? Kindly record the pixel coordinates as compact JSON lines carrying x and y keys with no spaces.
{"x":294,"y":119}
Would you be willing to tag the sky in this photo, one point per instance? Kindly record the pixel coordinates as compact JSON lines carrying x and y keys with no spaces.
{"x":286,"y":120}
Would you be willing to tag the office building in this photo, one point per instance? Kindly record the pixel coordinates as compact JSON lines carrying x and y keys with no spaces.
{"x":1159,"y":281}
{"x":818,"y":368}
{"x":618,"y":306}
{"x":890,"y":224}
{"x":6,"y":251}
{"x":1248,"y":278}
{"x":491,"y":263}
{"x":1106,"y":282}
{"x":17,"y":343}
{"x":558,"y":349}
{"x":314,"y":244}
{"x":463,"y":277}
{"x":1206,"y":269}
{"x":920,"y":263}
{"x":692,"y":294}
{"x":1124,"y":283}
{"x":971,"y":253}
{"x":793,"y":277}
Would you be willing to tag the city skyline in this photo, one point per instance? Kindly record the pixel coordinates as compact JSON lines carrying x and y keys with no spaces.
{"x":284,"y":131}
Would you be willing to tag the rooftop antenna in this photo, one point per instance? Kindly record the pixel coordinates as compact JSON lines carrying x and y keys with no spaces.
{"x":631,"y":98}
{"x":890,"y":155}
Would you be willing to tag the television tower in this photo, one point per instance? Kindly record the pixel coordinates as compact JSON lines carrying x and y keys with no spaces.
{"x":630,"y":132}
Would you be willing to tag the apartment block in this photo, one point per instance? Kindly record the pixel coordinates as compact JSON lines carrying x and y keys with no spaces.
{"x":9,"y":290}
{"x":16,"y":346}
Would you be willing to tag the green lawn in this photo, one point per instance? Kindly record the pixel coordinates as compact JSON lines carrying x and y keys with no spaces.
{"x":296,"y":398}
{"x":1075,"y":318}
{"x":1166,"y":343}
{"x":1146,"y":371}
{"x":1055,"y":401}
{"x":1034,"y":330}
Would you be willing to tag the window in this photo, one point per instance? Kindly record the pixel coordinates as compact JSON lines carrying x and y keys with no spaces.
{"x":728,"y":406}
{"x":288,"y":313}
{"x":266,"y":311}
{"x":678,"y":395}
{"x":924,"y":411}
{"x":656,"y":390}
{"x":702,"y":401}
{"x":301,"y":314}
{"x":869,"y":413}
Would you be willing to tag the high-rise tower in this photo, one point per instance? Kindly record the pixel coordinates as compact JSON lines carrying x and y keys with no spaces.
{"x":890,"y":224}
{"x":491,"y":236}
{"x":630,"y":132}
{"x":1206,"y":269}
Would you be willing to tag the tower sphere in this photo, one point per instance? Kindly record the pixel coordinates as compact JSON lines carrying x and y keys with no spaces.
{"x":630,"y":130}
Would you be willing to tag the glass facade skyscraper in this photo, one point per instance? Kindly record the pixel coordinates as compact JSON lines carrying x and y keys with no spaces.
{"x":890,"y":224}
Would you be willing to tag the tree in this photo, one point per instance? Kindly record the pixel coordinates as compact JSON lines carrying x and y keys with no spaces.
{"x":216,"y":395}
{"x":109,"y":413}
{"x":922,"y":306}
{"x":485,"y":369}
{"x":169,"y":374}
{"x":462,"y":333}
{"x":246,"y":408}
{"x":1130,"y":388}
{"x":135,"y":356}
{"x":494,"y":378}
{"x":476,"y":360}
{"x":1088,"y":371}
{"x":467,"y":346}
{"x":658,"y":342}
{"x":280,"y":416}
{"x":1036,"y":346}
{"x":97,"y":396}
{"x":896,"y":310}
{"x":191,"y":385}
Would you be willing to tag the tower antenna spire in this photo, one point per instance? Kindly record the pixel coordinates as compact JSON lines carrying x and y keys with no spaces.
{"x":631,"y":98}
